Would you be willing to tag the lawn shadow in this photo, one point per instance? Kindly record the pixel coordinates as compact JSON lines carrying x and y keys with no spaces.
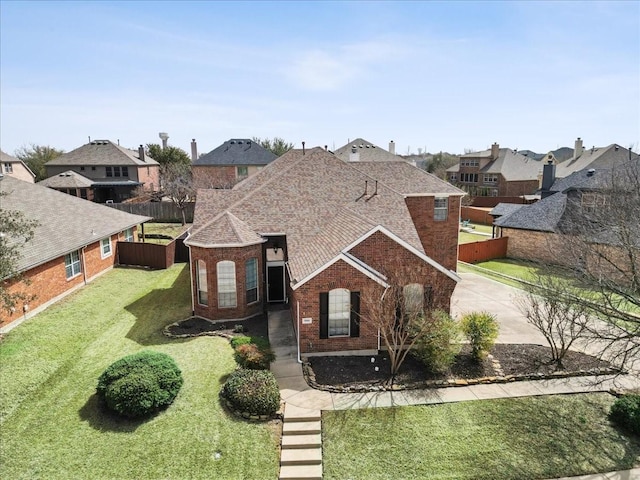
{"x":95,"y":413}
{"x":159,"y":308}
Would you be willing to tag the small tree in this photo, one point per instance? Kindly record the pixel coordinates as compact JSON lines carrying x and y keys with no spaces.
{"x":169,"y":155}
{"x":277,"y":146}
{"x":481,"y":329}
{"x":177,"y":184}
{"x":36,"y":156}
{"x":15,"y":232}
{"x":553,"y":307}
{"x":439,"y":344}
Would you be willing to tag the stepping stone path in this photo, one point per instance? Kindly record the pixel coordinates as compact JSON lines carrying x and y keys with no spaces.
{"x":301,"y":453}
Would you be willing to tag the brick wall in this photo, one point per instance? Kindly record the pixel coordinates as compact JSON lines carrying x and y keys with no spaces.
{"x":239,"y":256}
{"x":48,"y":281}
{"x":439,"y":238}
{"x":208,"y":176}
{"x":532,"y":245}
{"x":518,"y":187}
{"x":150,"y":176}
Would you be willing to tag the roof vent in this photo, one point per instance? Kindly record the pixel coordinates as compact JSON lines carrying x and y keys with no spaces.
{"x":239,"y":142}
{"x":591,"y":172}
{"x":232,"y":142}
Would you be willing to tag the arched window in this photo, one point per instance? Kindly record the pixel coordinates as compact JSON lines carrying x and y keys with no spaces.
{"x":203,"y":298}
{"x":413,"y":298}
{"x":227,"y":297}
{"x":251,"y":274}
{"x":339,"y":312}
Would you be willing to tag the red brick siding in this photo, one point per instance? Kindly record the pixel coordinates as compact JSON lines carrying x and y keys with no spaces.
{"x":532,"y":245}
{"x":214,"y":176}
{"x":49,"y":280}
{"x":439,"y":238}
{"x":516,"y":188}
{"x":239,"y":256}
{"x":150,"y":176}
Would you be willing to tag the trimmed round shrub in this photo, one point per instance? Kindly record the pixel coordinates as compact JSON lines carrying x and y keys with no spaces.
{"x":439,"y":342}
{"x":140,"y":384}
{"x":481,"y":329}
{"x":253,"y":357}
{"x":252,"y":391}
{"x":625,"y":412}
{"x":261,"y":342}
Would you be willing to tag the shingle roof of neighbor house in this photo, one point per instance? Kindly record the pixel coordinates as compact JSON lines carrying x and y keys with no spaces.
{"x":510,"y":164}
{"x":66,"y":223}
{"x":237,"y":151}
{"x":367,"y":151}
{"x":319,"y":202}
{"x":503,"y":209}
{"x":101,"y":152}
{"x":600,"y":157}
{"x":6,"y":158}
{"x":68,"y":179}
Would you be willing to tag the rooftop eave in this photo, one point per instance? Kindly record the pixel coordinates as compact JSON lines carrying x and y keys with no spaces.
{"x":192,"y":243}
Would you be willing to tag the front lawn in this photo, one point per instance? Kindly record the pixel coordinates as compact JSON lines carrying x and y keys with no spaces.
{"x":51,"y":423}
{"x":507,"y":439}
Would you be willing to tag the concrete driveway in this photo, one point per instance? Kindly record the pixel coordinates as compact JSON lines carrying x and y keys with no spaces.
{"x":478,"y":293}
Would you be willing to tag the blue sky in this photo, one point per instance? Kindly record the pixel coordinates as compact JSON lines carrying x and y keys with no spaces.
{"x":431,"y":75}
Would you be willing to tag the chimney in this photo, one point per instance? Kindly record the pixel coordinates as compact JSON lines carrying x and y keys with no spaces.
{"x":392,"y":147}
{"x":164,"y":136}
{"x":495,"y":150}
{"x":578,"y":148}
{"x":548,"y":177}
{"x":194,"y":150}
{"x":141,"y":153}
{"x":354,"y":156}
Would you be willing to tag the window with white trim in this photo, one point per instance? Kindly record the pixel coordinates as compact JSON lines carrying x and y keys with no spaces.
{"x":591,"y":201}
{"x":453,"y":177}
{"x":251,"y":274}
{"x":105,"y":247}
{"x":128,"y":235}
{"x":491,"y":178}
{"x":339,"y":312}
{"x":72,"y":264}
{"x":440,"y":209}
{"x":203,"y":296}
{"x":8,"y":168}
{"x":227,"y":297}
{"x":413,"y":295}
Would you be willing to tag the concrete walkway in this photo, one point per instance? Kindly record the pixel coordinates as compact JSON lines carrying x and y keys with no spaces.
{"x":473,"y":293}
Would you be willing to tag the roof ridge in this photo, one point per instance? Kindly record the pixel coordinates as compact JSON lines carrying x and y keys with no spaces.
{"x":233,"y":219}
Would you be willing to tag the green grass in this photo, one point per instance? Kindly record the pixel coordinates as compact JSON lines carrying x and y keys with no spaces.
{"x":51,"y":421}
{"x":519,"y":439}
{"x":172,"y":230}
{"x":465,"y":237}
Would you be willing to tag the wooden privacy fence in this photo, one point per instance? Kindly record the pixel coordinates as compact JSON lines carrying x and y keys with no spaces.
{"x":150,"y":255}
{"x":481,"y":251}
{"x":159,"y":211}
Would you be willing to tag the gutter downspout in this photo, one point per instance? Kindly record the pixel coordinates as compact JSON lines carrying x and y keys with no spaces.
{"x":298,"y":328}
{"x":193,"y":306}
{"x":84,"y":265}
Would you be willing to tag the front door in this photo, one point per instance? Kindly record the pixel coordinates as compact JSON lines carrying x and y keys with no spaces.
{"x":275,"y":283}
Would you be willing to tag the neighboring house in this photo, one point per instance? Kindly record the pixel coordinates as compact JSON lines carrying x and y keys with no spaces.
{"x":497,"y":172}
{"x":594,"y":157}
{"x":108,"y":171}
{"x":74,"y":242}
{"x":538,"y":232}
{"x":230,"y":163}
{"x":12,"y":167}
{"x":318,"y":234}
{"x":361,"y":150}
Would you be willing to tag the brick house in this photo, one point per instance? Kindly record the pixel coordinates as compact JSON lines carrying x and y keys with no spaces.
{"x":576,"y":205}
{"x":103,"y":171}
{"x":230,"y":163}
{"x":318,"y":234}
{"x":74,"y":242}
{"x":12,"y":167}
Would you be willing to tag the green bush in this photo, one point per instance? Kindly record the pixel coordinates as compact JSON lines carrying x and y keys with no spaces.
{"x":625,"y":412}
{"x":252,"y":391}
{"x":261,"y":342}
{"x":439,"y":343}
{"x":140,"y":384}
{"x":481,"y":329}
{"x":251,"y":356}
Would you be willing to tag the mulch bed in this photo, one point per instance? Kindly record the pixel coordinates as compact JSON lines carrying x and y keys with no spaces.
{"x":194,"y":326}
{"x":516,"y":360}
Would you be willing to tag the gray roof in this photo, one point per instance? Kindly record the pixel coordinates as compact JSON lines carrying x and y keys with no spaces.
{"x":541,"y":216}
{"x":101,"y":152}
{"x":66,"y":223}
{"x":510,"y":164}
{"x":367,"y":151}
{"x":503,"y":209}
{"x":68,"y":179}
{"x":317,"y":201}
{"x":237,"y":151}
{"x":597,"y":157}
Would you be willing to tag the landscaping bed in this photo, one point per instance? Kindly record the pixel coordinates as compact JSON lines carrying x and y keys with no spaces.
{"x":507,"y":362}
{"x":197,"y":326}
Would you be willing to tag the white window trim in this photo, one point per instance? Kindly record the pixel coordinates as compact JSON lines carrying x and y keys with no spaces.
{"x":257,"y":282}
{"x":437,"y":209}
{"x":348,"y":294}
{"x":104,"y":254}
{"x":199,"y":279}
{"x":227,"y":291}
{"x":128,"y":235}
{"x":72,"y":263}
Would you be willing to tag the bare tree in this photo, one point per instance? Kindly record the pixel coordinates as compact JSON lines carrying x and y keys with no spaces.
{"x":551,"y":306}
{"x":177,"y":184}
